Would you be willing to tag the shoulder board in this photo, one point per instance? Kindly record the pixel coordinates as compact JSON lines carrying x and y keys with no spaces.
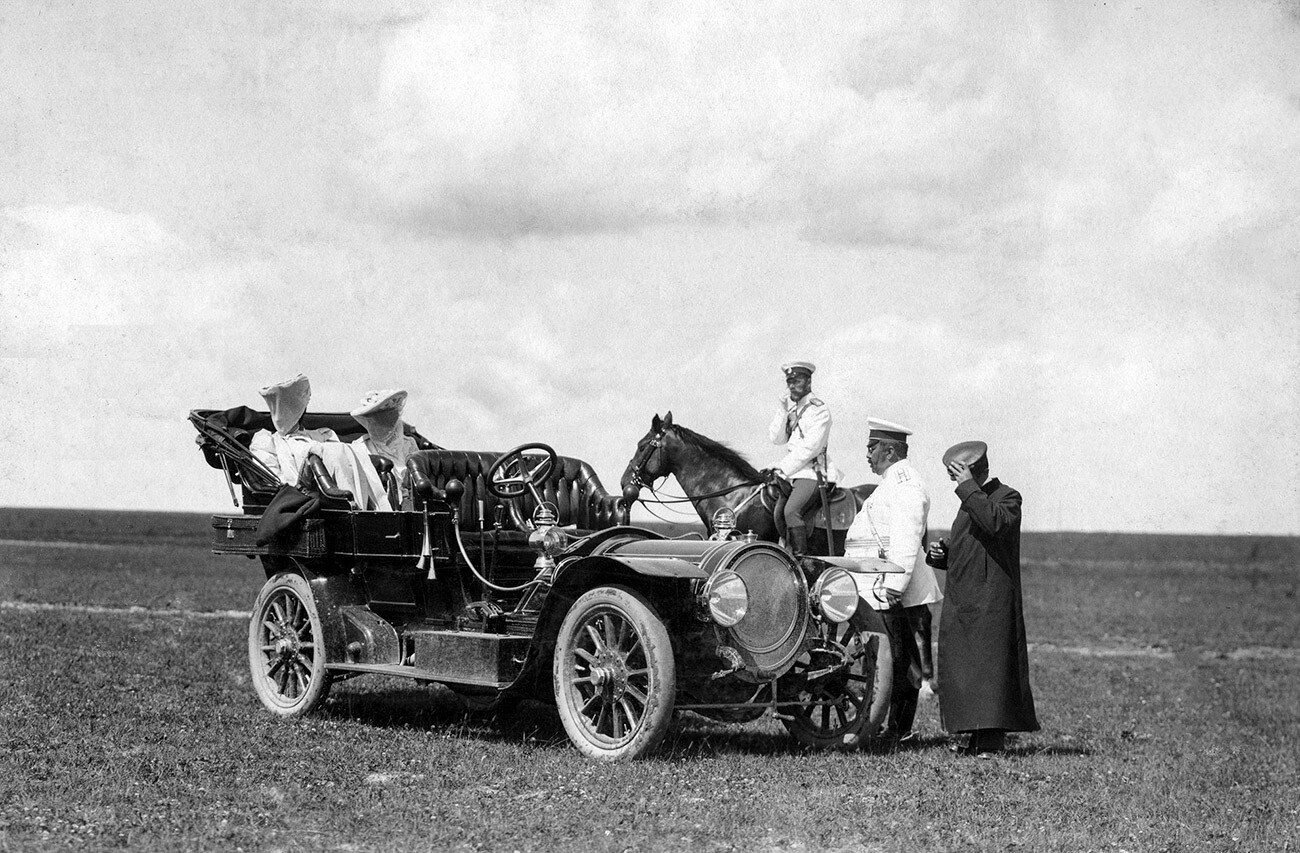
{"x":815,"y":402}
{"x":901,"y":475}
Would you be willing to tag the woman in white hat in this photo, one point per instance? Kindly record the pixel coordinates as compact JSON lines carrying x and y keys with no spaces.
{"x":285,"y":450}
{"x":380,"y":413}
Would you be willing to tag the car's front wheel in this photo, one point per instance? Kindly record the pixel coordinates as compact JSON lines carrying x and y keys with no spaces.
{"x":614,"y":674}
{"x":286,"y":647}
{"x":843,"y":685}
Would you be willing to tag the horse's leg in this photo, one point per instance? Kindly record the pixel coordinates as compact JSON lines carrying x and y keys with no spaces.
{"x":758,"y":519}
{"x":817,"y":542}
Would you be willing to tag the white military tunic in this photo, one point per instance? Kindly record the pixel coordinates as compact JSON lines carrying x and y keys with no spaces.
{"x":806,"y":441}
{"x":897,"y":510}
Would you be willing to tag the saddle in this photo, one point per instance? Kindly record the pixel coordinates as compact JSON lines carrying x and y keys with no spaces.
{"x":844,"y":504}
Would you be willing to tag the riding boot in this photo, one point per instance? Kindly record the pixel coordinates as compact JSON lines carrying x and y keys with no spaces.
{"x":922,"y":632}
{"x":902,"y":714}
{"x":796,"y":540}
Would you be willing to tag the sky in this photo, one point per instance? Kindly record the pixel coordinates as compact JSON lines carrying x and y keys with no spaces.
{"x":1068,"y":229}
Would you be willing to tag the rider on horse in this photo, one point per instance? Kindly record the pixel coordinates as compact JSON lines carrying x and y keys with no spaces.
{"x":803,"y":425}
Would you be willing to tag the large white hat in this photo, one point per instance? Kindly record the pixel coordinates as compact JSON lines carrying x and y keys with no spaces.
{"x":297,"y":386}
{"x":377,"y":401}
{"x":287,"y":401}
{"x":882,"y":429}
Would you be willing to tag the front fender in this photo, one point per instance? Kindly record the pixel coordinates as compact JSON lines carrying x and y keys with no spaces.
{"x":630,"y":566}
{"x":872,"y":618}
{"x":665,"y":581}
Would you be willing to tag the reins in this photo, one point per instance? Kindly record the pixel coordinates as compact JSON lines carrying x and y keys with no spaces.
{"x":646,"y":504}
{"x":641,"y":461}
{"x":703,"y":497}
{"x":668,"y":502}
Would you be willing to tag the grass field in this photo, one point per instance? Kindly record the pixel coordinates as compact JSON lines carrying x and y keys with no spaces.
{"x":1166,"y":671}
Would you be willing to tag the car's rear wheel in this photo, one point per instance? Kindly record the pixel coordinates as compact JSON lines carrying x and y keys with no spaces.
{"x":614,"y":676}
{"x":846,"y":706}
{"x":286,"y":647}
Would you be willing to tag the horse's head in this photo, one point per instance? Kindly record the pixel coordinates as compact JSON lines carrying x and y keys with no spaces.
{"x":652,"y":458}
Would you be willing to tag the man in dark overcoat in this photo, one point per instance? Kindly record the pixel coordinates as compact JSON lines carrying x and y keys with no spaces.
{"x":983,"y":660}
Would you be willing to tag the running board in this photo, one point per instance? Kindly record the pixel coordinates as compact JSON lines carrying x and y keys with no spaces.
{"x":415,"y":672}
{"x":469,"y":658}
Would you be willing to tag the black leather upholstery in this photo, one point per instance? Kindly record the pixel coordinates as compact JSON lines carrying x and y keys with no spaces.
{"x":241,"y":422}
{"x":572,"y":486}
{"x":226,"y":434}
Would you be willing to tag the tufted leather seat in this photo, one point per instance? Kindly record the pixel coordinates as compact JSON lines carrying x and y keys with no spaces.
{"x":226,"y":435}
{"x":572,"y":486}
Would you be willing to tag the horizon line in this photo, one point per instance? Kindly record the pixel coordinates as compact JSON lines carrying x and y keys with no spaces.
{"x":202,"y":513}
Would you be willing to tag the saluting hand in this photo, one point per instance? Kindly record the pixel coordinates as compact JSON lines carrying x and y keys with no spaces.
{"x":959,"y":472}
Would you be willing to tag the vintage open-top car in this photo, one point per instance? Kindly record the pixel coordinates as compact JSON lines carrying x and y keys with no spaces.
{"x":516,"y":575}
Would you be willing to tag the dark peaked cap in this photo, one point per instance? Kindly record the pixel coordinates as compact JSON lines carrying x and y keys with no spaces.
{"x":973,"y":453}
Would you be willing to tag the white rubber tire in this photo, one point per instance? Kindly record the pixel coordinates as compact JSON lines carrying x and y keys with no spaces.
{"x":286,"y":648}
{"x":614,"y":676}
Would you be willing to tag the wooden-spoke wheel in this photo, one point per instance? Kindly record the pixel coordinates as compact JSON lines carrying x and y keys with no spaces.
{"x":845,"y":706}
{"x":614,"y":674}
{"x":286,"y":649}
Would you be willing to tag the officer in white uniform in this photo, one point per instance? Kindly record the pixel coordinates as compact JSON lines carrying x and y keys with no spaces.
{"x":803,"y":424}
{"x":891,"y":527}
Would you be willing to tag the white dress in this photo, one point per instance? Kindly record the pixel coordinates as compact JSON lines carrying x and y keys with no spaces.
{"x":286,"y":454}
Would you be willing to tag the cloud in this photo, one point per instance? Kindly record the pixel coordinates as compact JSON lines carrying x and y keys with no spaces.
{"x":55,"y":258}
{"x":569,"y":116}
{"x":1001,"y":128}
{"x":1059,"y":227}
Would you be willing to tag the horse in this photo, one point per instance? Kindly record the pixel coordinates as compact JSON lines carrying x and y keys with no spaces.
{"x":714,"y":476}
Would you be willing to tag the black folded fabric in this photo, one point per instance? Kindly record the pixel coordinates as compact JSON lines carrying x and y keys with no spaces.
{"x":285,"y":513}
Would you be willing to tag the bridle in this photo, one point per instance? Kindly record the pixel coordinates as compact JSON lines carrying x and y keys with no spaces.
{"x":641,"y":461}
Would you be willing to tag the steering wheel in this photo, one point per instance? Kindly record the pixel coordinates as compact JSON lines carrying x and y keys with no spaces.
{"x":508,"y":485}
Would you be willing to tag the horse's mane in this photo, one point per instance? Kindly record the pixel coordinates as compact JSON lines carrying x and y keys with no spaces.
{"x":717,"y":449}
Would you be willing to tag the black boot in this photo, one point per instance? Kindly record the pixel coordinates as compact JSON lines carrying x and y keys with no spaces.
{"x":901,"y":715}
{"x":981,"y":742}
{"x":796,"y":540}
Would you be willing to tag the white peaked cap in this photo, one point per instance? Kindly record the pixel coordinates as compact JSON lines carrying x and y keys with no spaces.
{"x":884,"y":429}
{"x":791,"y":366}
